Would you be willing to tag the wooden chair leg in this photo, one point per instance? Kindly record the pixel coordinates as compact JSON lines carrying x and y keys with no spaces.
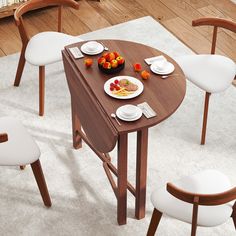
{"x":39,"y":177}
{"x":156,"y":217}
{"x":194,"y":217}
{"x":22,"y":167}
{"x":234,"y":215}
{"x":20,"y":68}
{"x":41,"y":89}
{"x":204,"y":125}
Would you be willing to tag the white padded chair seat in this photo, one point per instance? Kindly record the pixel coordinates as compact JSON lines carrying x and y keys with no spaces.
{"x":20,"y":149}
{"x":206,"y":182}
{"x":45,"y":48}
{"x":212,"y":73}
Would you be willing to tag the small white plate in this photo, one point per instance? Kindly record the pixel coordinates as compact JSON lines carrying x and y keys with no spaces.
{"x":120,"y":115}
{"x":131,"y":79}
{"x":85,"y":48}
{"x":169,"y":69}
{"x":129,"y":111}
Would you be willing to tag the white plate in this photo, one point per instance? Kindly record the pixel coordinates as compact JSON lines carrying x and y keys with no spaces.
{"x":129,"y":111}
{"x":131,"y":79}
{"x":169,"y":69}
{"x":84,"y":48}
{"x":136,"y":117}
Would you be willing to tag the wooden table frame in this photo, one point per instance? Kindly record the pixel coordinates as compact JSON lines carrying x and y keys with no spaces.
{"x":120,"y":189}
{"x":165,"y":105}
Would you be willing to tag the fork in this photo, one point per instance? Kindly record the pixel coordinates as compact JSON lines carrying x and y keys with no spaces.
{"x":166,"y":76}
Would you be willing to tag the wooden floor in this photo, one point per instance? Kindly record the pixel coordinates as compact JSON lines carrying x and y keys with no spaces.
{"x":175,"y":15}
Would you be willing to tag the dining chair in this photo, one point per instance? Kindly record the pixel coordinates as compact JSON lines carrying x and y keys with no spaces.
{"x":204,"y":199}
{"x":43,"y":48}
{"x":212,"y":73}
{"x":17,"y":148}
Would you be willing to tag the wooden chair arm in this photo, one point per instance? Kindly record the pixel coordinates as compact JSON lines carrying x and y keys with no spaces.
{"x":217,"y":22}
{"x":204,"y":199}
{"x":37,"y":4}
{"x":3,"y":137}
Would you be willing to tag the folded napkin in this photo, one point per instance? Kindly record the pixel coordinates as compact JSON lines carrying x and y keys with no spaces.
{"x":151,"y":60}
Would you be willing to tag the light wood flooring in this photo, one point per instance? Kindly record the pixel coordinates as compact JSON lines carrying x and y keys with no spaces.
{"x":175,"y":15}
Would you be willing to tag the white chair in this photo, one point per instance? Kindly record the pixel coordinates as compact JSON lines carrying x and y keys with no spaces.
{"x":43,"y":48}
{"x":17,"y":148}
{"x":211,"y":73}
{"x":204,"y":199}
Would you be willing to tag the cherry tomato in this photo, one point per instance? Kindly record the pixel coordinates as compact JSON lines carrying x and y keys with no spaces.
{"x":116,"y":81}
{"x":117,"y":88}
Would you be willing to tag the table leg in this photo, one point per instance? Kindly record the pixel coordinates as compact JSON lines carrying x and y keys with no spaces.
{"x":122,"y":179}
{"x":77,"y":141}
{"x":141,"y":173}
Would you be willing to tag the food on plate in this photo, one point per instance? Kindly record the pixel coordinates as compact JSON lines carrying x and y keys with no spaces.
{"x":88,"y":62}
{"x":137,"y":67}
{"x":145,"y":75}
{"x":123,"y":87}
{"x":120,"y":60}
{"x":101,"y":60}
{"x":114,"y":63}
{"x":107,"y":65}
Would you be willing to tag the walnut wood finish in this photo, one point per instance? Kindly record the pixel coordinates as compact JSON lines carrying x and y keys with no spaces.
{"x":234,"y":214}
{"x":141,"y":173}
{"x":217,"y":23}
{"x":41,"y":89}
{"x":122,"y":179}
{"x":39,"y":177}
{"x":3,"y":137}
{"x":204,"y":199}
{"x":18,"y":15}
{"x":100,"y":131}
{"x":155,"y":220}
{"x":163,"y":95}
{"x":195,"y":215}
{"x":92,"y":109}
{"x":205,"y":114}
{"x":196,"y":199}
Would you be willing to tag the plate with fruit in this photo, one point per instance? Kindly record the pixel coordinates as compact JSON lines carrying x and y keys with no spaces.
{"x":123,"y":87}
{"x":111,"y":62}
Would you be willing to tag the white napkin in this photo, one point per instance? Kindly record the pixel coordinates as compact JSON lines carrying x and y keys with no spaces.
{"x":151,"y":60}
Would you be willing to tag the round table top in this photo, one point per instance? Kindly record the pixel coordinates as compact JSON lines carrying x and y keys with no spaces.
{"x":163,"y":95}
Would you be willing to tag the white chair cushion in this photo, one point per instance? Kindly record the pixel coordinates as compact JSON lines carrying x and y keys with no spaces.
{"x":206,"y":182}
{"x":20,"y":149}
{"x":45,"y":48}
{"x":212,"y":73}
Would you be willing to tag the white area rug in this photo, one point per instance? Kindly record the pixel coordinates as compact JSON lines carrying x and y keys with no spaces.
{"x":83,"y":201}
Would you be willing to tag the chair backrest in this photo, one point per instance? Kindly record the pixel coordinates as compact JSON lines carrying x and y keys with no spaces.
{"x":216,"y":22}
{"x":37,"y":4}
{"x":98,"y":128}
{"x":202,"y":199}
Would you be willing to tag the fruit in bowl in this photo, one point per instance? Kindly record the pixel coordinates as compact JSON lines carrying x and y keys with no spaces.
{"x":111,"y":62}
